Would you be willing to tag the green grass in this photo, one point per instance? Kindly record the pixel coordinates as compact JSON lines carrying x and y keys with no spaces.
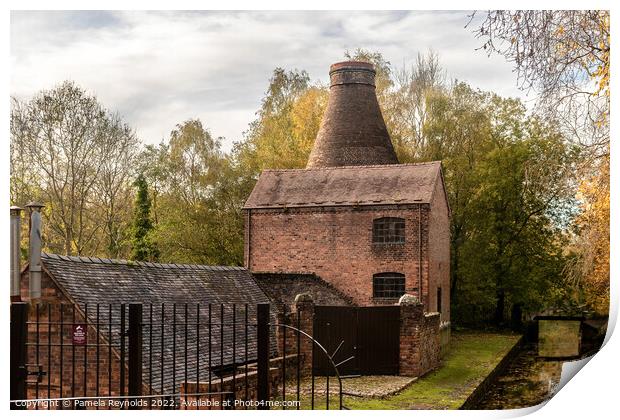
{"x":472,"y":356}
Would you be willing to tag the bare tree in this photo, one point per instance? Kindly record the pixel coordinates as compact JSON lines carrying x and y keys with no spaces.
{"x":408,"y":101}
{"x":564,"y":56}
{"x":113,"y":192}
{"x":69,"y":153}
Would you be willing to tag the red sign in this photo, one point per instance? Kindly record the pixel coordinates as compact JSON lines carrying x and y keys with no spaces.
{"x":79,"y":334}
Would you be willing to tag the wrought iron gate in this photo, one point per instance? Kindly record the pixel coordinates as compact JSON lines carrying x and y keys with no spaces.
{"x":165,"y":356}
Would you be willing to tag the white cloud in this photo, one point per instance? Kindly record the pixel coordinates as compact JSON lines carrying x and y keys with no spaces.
{"x":160,"y":68}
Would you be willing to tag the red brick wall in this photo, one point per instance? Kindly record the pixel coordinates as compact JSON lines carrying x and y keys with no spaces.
{"x":336,"y":244}
{"x":439,"y":253}
{"x":420,"y":348}
{"x":47,"y":313}
{"x":305,"y":310}
{"x":238,"y":385}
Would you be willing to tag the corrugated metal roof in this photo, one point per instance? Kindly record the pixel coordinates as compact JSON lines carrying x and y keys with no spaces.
{"x":344,"y":186}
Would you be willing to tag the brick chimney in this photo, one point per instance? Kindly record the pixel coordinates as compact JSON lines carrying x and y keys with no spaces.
{"x":352,"y":131}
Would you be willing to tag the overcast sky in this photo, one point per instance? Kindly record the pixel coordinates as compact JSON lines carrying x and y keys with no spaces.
{"x":158,"y":69}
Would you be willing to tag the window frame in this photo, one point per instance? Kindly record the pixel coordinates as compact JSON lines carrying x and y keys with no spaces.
{"x":389,"y":291}
{"x":388,"y":231}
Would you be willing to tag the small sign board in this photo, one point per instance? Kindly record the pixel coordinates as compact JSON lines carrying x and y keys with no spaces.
{"x":79,"y":334}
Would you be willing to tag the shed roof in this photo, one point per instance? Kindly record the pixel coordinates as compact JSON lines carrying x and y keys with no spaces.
{"x":346,"y":185}
{"x":282,"y":288}
{"x":91,"y":281}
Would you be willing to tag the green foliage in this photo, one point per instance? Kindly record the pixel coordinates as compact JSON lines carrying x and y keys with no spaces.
{"x":510,"y":189}
{"x":199,"y":194}
{"x":143,"y":248}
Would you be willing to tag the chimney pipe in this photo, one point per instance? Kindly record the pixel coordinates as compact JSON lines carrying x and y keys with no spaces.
{"x":16,"y":216}
{"x":352,"y":131}
{"x":34,"y":254}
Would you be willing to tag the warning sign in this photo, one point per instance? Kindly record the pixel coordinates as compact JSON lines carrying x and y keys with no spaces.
{"x":79,"y":334}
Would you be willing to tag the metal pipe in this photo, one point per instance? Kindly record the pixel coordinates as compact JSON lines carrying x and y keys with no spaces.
{"x":34,"y":255}
{"x":420,"y":295}
{"x":16,"y":221}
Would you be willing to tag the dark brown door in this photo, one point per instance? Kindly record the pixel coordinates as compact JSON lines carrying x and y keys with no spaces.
{"x":369,"y":334}
{"x":335,"y":328}
{"x":378,"y":331}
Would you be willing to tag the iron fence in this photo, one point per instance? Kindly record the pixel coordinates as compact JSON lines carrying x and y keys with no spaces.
{"x":160,"y":356}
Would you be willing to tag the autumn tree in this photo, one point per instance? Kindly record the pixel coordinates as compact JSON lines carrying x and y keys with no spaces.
{"x":286,"y":125}
{"x":509,"y":182}
{"x":408,"y":105}
{"x":589,"y":267}
{"x":564,"y":55}
{"x":199,"y":195}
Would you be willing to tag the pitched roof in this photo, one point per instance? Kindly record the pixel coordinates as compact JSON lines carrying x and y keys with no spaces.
{"x":91,"y":281}
{"x":346,"y":185}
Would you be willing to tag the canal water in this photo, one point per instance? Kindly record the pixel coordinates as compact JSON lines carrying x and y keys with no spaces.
{"x":527,"y":381}
{"x":533,"y":375}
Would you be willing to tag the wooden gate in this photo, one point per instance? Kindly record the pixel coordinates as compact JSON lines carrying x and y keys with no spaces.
{"x":364,"y":339}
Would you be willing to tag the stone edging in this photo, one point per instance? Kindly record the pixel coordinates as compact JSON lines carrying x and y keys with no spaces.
{"x":483,"y":387}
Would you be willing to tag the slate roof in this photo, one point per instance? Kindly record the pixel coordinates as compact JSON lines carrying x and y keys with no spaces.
{"x":346,"y":185}
{"x":282,"y":288}
{"x":91,"y":281}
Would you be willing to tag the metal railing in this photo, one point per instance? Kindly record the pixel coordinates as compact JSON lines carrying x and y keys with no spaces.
{"x":164,"y":356}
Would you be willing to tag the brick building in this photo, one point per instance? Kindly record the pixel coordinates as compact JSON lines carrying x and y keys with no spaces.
{"x":187,"y":346}
{"x":353,"y":228}
{"x":90,"y":291}
{"x":372,"y":228}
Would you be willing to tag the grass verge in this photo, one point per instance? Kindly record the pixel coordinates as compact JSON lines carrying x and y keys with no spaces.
{"x":472,"y":356}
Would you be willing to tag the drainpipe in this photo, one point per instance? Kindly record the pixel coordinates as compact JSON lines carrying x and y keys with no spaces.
{"x":34,"y":253}
{"x":420,"y":294}
{"x":249,"y":240}
{"x":16,"y":216}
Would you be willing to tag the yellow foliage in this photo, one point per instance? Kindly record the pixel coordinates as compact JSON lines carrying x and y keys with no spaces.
{"x":306,"y":116}
{"x":593,"y":240}
{"x":601,"y":74}
{"x":284,"y":139}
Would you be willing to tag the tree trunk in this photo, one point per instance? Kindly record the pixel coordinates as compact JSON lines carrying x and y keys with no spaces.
{"x":499,"y":307}
{"x":516,"y":318}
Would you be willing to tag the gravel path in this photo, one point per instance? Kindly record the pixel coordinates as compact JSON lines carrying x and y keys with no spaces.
{"x":363,"y":386}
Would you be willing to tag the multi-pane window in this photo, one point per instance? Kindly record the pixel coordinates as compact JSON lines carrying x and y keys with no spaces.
{"x":388,"y":230}
{"x":388,"y":285}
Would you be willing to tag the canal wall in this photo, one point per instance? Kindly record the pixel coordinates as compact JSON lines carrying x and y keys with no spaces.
{"x":474,"y":398}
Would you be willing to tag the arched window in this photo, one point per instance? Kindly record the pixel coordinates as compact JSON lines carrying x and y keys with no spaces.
{"x":388,"y":230}
{"x":388,"y":285}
